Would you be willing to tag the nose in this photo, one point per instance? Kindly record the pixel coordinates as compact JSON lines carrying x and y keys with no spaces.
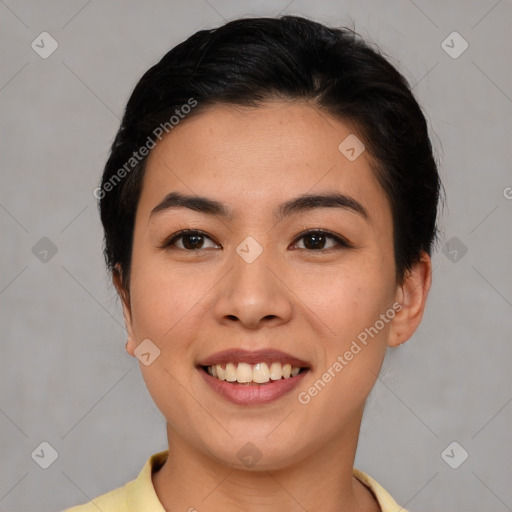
{"x":253,"y":295}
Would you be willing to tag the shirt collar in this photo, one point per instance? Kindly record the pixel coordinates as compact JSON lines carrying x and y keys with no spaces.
{"x":141,"y":494}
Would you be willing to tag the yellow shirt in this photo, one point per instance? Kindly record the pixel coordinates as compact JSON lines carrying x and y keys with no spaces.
{"x":139,"y":495}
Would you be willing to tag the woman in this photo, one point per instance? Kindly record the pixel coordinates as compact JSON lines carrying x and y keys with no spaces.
{"x":269,"y":208}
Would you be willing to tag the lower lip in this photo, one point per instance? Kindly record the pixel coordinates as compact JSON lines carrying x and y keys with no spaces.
{"x":253,"y":394}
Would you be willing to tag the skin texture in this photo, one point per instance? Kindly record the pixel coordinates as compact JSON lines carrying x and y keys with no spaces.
{"x":311,"y":303}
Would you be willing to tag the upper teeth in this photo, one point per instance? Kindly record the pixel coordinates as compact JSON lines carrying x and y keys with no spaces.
{"x":259,"y":373}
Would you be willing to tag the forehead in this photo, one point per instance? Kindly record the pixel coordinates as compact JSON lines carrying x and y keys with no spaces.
{"x":256,"y":157}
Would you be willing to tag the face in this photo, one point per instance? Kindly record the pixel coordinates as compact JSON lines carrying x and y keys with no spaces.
{"x":262,"y":275}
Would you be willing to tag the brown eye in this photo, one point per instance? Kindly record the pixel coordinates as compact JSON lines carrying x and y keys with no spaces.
{"x":192,"y":241}
{"x":189,"y":240}
{"x":321,"y":240}
{"x":315,"y":241}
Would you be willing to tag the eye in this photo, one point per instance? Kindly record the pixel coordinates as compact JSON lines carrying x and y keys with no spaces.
{"x":312,"y":240}
{"x":315,"y":240}
{"x":188,"y":240}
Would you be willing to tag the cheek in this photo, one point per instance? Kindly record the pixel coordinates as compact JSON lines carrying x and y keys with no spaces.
{"x":352,"y":355}
{"x":360,"y":337}
{"x":165,"y":302}
{"x":348,"y":299}
{"x":162,"y":295}
{"x":353,"y":305}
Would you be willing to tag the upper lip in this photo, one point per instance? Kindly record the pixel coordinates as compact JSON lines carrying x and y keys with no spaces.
{"x":253,"y":357}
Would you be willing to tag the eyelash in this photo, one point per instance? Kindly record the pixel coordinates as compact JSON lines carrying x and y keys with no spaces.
{"x":341,"y":242}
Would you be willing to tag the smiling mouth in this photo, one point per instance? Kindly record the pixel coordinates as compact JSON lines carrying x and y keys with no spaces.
{"x":253,"y":374}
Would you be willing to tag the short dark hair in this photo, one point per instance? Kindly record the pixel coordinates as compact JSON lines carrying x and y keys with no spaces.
{"x":249,"y":61}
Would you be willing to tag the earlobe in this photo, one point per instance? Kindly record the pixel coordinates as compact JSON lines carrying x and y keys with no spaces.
{"x":130,"y":347}
{"x":412,"y":295}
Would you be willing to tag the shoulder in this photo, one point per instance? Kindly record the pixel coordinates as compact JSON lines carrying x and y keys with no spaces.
{"x":386,"y":502}
{"x":115,"y":500}
{"x":138,"y":495}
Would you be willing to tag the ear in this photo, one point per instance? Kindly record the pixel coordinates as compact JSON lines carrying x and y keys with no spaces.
{"x":412,"y":295}
{"x":117,"y":278}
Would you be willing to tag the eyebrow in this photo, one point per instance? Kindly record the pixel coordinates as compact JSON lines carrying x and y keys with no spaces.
{"x":301,"y":203}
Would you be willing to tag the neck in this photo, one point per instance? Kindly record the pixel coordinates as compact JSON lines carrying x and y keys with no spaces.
{"x":191,"y":480}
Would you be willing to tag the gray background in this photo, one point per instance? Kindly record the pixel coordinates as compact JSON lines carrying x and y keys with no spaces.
{"x":64,"y":376}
